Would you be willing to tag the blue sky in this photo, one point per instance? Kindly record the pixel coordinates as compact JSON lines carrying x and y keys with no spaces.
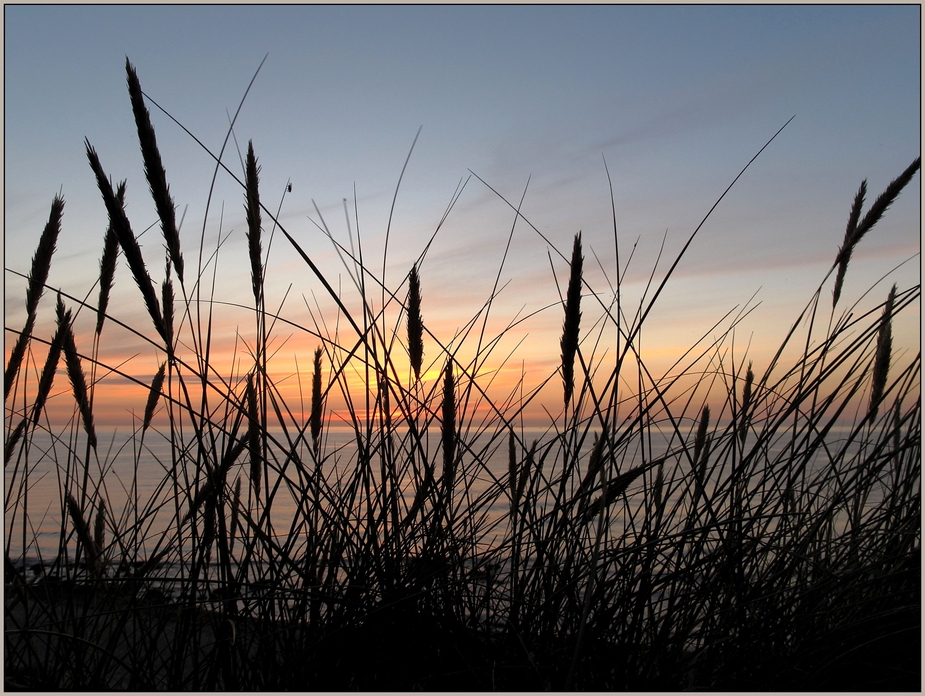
{"x":676,"y":100}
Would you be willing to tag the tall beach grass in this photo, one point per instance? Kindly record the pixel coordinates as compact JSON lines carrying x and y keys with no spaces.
{"x":728,"y":525}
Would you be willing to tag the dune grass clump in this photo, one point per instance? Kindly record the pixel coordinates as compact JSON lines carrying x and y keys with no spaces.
{"x":722,"y":526}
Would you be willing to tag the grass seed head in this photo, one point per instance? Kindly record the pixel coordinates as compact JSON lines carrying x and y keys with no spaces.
{"x":108,"y":264}
{"x":76,"y":375}
{"x":659,"y":488}
{"x":885,"y":200}
{"x":48,"y":376}
{"x":51,"y":362}
{"x":746,"y":403}
{"x":253,"y":433}
{"x":127,"y":240}
{"x":572,"y":324}
{"x":154,"y":394}
{"x":881,"y":365}
{"x":82,"y":529}
{"x":12,"y":441}
{"x":448,"y":427}
{"x":844,"y":251}
{"x":613,"y":489}
{"x":595,"y":462}
{"x":41,"y":264}
{"x":527,"y":470}
{"x":317,"y":405}
{"x":235,"y":501}
{"x":99,"y":525}
{"x":154,"y":170}
{"x":252,"y":207}
{"x":41,"y":261}
{"x":700,"y":442}
{"x":512,"y":466}
{"x":167,"y":298}
{"x":16,"y":357}
{"x":856,"y":230}
{"x":415,"y":323}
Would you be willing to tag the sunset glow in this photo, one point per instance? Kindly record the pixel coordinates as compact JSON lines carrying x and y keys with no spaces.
{"x":335,"y":125}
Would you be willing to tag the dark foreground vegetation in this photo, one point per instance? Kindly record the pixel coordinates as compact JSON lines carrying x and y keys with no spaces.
{"x":751,"y":528}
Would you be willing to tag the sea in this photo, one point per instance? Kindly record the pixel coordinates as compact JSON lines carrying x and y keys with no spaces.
{"x":134,"y":475}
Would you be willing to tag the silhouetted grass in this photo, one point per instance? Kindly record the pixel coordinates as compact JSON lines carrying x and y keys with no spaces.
{"x":721,"y":527}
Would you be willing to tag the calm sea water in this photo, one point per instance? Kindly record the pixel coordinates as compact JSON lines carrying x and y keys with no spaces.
{"x":134,"y":478}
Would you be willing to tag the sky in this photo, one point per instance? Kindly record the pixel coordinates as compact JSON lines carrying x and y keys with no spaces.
{"x":536,"y":103}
